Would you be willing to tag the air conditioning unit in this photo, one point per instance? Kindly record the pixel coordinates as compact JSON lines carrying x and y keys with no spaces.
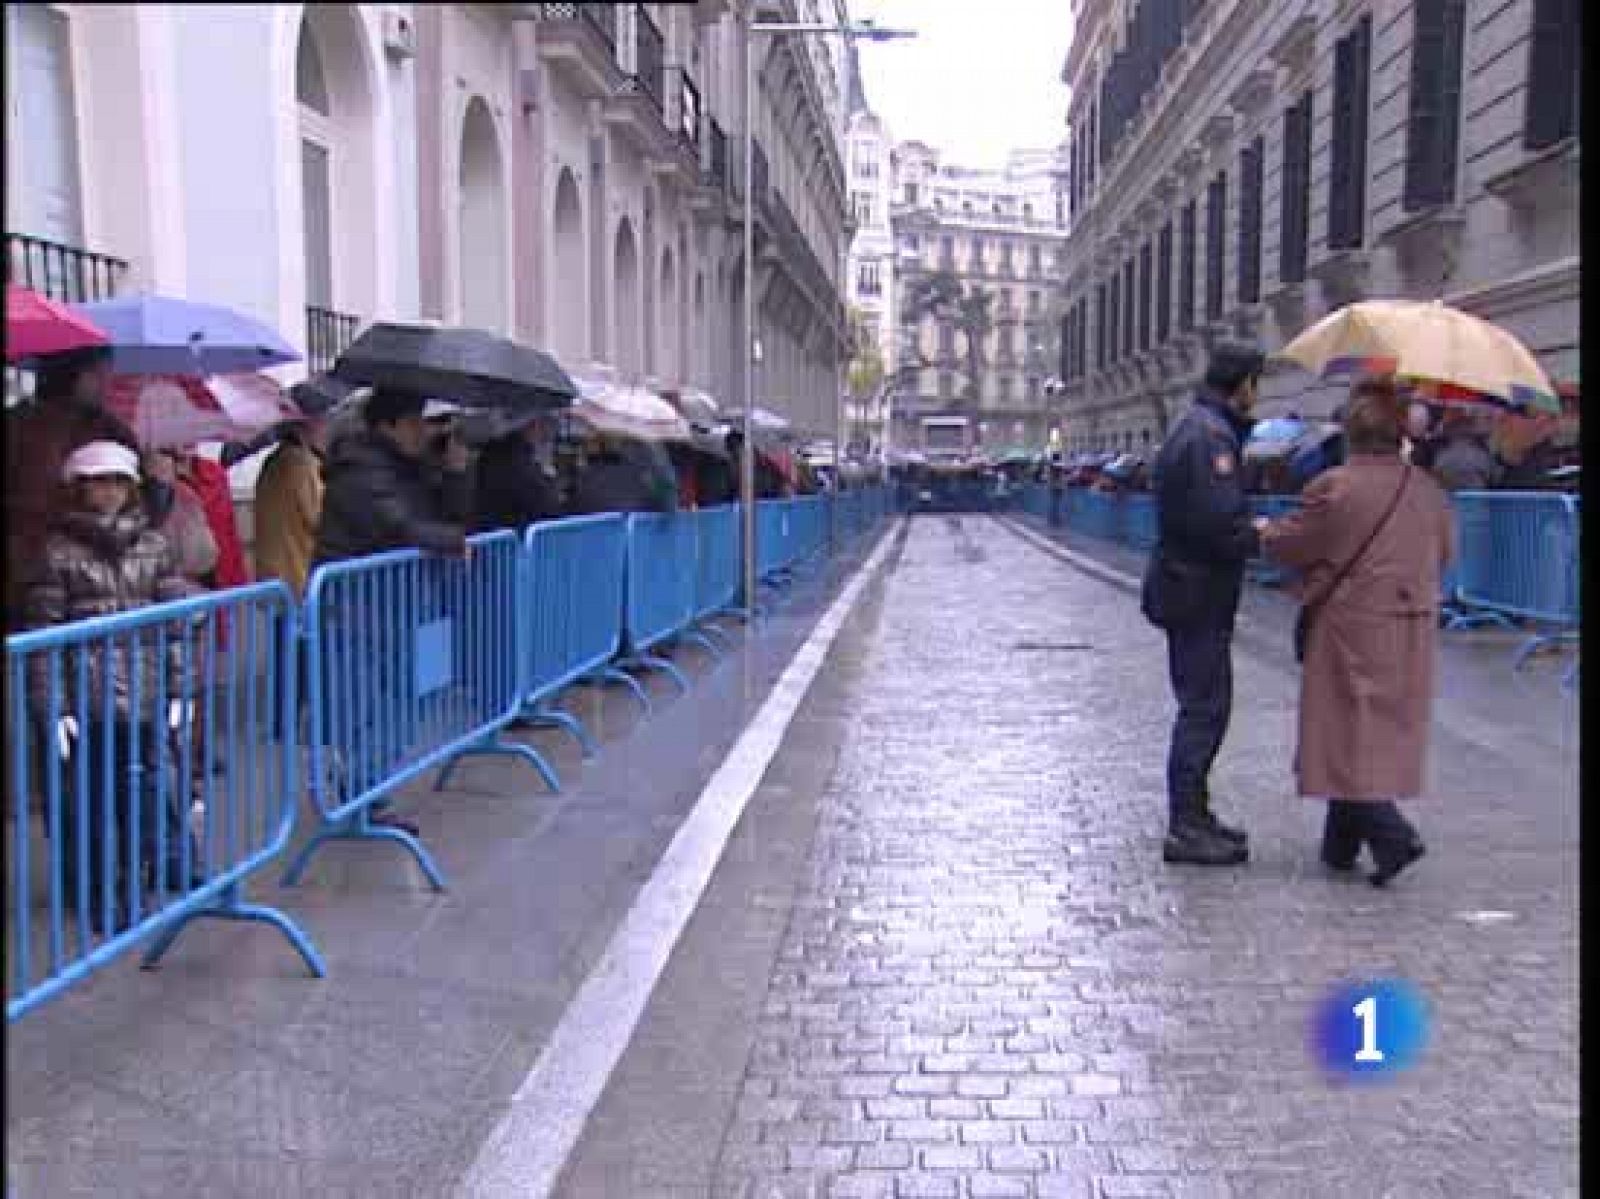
{"x":399,"y":37}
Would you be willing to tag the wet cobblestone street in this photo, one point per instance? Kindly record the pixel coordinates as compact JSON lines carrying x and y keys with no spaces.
{"x":986,"y":984}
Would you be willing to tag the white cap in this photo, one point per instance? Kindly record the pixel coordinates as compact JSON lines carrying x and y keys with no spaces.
{"x":434,"y":409}
{"x":101,"y":458}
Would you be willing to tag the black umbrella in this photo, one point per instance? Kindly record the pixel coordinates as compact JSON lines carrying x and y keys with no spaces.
{"x":473,"y":368}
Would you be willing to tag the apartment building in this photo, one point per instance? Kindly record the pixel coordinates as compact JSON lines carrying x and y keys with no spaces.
{"x":999,"y":234}
{"x":1243,"y":167}
{"x":568,"y":174}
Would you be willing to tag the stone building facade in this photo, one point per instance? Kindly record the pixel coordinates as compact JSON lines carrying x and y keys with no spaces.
{"x":870,"y":276}
{"x":1245,"y":166}
{"x":568,"y":174}
{"x":1000,"y":231}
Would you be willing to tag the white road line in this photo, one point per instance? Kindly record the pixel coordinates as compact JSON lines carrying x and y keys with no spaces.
{"x":524,"y":1155}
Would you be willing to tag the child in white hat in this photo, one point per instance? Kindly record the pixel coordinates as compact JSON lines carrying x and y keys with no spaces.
{"x":102,"y":557}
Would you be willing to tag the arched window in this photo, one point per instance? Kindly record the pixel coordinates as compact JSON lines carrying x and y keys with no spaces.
{"x":316,"y":167}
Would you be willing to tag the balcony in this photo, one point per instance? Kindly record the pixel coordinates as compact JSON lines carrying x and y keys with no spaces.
{"x":328,"y":334}
{"x":67,"y":274}
{"x":650,"y":57}
{"x":689,"y":111}
{"x":580,"y":41}
{"x":680,"y":157}
{"x":638,"y":109}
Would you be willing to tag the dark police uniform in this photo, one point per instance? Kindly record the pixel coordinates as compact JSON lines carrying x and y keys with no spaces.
{"x":1192,"y":586}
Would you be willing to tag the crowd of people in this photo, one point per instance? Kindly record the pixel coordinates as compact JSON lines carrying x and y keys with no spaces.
{"x":101,"y":524}
{"x":1460,"y":448}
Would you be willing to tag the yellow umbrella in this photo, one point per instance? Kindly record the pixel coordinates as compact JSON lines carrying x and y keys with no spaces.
{"x":1453,"y":355}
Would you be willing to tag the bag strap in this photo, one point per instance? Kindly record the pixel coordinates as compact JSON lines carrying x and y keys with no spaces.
{"x":1311,"y":609}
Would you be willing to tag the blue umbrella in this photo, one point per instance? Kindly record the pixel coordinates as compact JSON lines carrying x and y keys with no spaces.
{"x":160,"y":335}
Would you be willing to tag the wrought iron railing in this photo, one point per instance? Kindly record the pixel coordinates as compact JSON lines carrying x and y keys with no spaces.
{"x":602,"y":18}
{"x":67,"y":274}
{"x":719,"y":155}
{"x":758,"y":172}
{"x":688,"y":111}
{"x":650,"y":58}
{"x":328,"y":334}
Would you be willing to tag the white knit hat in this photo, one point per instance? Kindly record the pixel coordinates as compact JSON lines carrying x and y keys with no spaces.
{"x":101,"y":458}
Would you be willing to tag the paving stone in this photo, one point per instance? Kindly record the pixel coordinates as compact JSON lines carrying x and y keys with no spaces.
{"x":984,"y":935}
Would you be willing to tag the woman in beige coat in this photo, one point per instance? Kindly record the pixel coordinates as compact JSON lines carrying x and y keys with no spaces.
{"x":1366,"y":691}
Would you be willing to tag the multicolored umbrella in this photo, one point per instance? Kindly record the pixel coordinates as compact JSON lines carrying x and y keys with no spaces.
{"x":1451,"y":356}
{"x":179,"y":411}
{"x":605,"y":406}
{"x":37,"y":326}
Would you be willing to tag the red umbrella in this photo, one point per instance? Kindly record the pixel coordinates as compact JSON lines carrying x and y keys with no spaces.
{"x":36,"y":326}
{"x":177,"y":411}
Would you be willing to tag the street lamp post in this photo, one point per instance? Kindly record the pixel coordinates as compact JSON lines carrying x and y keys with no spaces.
{"x":865,"y":31}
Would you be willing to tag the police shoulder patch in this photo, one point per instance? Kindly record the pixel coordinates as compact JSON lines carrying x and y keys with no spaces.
{"x":1222,"y":464}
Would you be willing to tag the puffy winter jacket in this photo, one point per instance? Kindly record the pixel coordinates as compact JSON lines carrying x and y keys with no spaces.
{"x":97,"y":566}
{"x":377,"y":499}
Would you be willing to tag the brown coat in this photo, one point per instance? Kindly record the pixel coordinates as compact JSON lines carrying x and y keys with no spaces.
{"x":288,"y":506}
{"x":1366,"y":690}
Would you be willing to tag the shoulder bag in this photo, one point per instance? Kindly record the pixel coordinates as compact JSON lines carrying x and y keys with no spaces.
{"x":1308,"y":612}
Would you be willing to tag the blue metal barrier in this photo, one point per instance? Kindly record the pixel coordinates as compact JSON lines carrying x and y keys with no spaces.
{"x":716,"y":587}
{"x":1139,"y":521}
{"x":661,"y":585}
{"x":415,"y":662}
{"x":1518,"y":555}
{"x":571,"y":615}
{"x":166,"y":773}
{"x":772,"y":537}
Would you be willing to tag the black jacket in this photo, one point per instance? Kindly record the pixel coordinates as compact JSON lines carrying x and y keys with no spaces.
{"x":512,"y":490}
{"x":610,"y":483}
{"x":1203,"y":513}
{"x":378,"y":499}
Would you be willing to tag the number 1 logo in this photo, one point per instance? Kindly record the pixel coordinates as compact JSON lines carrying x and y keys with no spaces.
{"x":1369,"y":1029}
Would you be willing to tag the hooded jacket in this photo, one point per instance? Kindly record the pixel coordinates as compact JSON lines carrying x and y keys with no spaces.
{"x":96,"y":566}
{"x":377,"y":499}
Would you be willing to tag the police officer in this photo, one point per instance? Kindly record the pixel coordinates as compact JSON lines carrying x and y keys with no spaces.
{"x":1191,"y":590}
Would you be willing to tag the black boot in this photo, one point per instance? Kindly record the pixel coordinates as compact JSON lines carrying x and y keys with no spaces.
{"x":1226,"y":831}
{"x":1341,"y":837}
{"x":1393,"y":839}
{"x":1192,"y":842}
{"x":1391,"y":861}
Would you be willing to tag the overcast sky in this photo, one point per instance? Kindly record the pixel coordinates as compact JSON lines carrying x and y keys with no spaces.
{"x":981,"y":78}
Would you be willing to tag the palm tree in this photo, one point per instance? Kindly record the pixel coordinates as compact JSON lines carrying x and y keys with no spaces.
{"x":975,"y":322}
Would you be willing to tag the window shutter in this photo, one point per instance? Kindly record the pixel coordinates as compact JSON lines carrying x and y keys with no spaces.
{"x":1164,"y":284}
{"x":1552,"y":91}
{"x":1434,"y":117}
{"x":1114,"y":324}
{"x":1295,"y":209}
{"x":1186,"y":267}
{"x":1216,"y":230}
{"x":1250,"y":185}
{"x":1347,"y":178}
{"x":1129,"y":301}
{"x":1146,"y":263}
{"x":1083,"y":337}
